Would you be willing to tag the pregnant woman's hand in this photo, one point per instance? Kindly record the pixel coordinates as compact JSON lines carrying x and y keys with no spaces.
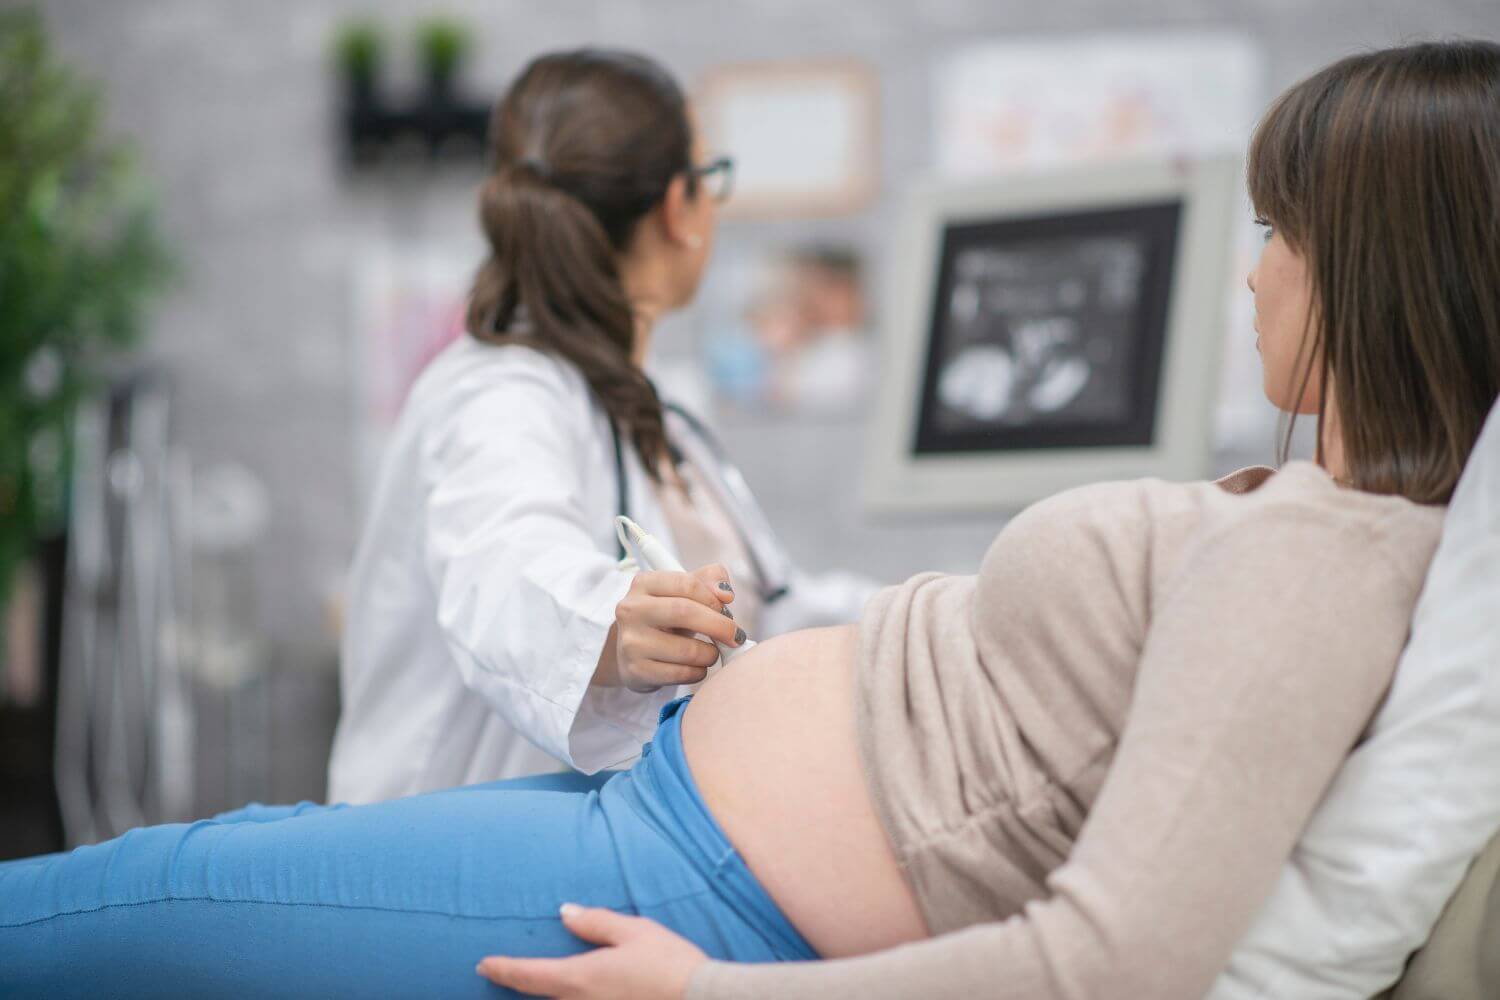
{"x":639,"y":960}
{"x":652,"y":643}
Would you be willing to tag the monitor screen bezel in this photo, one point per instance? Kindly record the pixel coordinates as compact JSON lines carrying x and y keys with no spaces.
{"x":897,"y":478}
{"x":1159,"y":223}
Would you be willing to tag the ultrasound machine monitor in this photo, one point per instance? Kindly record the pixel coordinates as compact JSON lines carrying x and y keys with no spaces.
{"x":1044,"y":331}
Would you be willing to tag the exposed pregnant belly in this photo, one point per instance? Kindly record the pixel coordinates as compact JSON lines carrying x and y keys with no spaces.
{"x":771,"y":744}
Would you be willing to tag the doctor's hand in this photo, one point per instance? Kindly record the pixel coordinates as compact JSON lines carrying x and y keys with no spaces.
{"x":653,"y":639}
{"x":640,"y":960}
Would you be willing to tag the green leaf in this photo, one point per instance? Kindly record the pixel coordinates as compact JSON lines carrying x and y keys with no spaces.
{"x":80,"y":261}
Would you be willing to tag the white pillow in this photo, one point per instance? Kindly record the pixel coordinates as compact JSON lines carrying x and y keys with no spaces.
{"x":1416,"y":801}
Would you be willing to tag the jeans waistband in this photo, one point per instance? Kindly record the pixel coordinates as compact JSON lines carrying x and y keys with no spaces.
{"x":664,"y":792}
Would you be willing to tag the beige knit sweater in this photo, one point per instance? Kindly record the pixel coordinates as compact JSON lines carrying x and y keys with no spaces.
{"x":1093,"y":758}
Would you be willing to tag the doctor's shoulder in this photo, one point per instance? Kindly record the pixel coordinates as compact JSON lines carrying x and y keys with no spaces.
{"x":474,"y":389}
{"x":468,"y":367}
{"x":468,"y":372}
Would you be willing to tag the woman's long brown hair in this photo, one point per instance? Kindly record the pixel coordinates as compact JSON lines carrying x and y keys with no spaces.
{"x":582,"y":145}
{"x":1383,"y":172}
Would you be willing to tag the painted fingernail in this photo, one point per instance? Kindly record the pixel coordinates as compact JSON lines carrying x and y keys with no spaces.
{"x":727,"y":613}
{"x":739,"y":636}
{"x":724,"y":586}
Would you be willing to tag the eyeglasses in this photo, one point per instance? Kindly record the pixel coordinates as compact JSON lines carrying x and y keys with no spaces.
{"x":718,"y":177}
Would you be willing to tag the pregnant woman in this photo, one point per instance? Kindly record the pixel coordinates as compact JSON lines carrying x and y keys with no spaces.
{"x":1075,"y":774}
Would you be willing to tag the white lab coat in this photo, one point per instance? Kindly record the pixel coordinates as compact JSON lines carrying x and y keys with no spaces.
{"x":485,"y":584}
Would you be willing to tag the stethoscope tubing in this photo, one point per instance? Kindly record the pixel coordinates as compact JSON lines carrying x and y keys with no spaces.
{"x":760,"y":542}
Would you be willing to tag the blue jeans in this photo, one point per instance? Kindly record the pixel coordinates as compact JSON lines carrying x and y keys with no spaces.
{"x":398,"y":898}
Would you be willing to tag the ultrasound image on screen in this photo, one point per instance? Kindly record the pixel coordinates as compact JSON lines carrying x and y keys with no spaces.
{"x":1048,"y":331}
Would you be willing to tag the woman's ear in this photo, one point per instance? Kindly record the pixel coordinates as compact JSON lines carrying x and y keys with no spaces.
{"x":677,"y":215}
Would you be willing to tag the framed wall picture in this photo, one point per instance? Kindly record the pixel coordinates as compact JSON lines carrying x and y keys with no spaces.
{"x":804,"y":136}
{"x":1029,"y":104}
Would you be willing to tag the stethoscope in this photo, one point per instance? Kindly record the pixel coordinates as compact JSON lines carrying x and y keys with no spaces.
{"x":692,"y":441}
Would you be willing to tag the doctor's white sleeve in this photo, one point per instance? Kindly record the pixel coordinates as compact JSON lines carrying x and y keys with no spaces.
{"x":525,"y":596}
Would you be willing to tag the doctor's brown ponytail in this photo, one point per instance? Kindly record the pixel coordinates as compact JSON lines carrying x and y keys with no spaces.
{"x":583,"y":145}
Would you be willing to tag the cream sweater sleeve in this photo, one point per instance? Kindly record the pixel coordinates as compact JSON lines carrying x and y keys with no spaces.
{"x":1265,"y":658}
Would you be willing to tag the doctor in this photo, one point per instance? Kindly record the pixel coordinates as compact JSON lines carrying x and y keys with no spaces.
{"x":482,"y":639}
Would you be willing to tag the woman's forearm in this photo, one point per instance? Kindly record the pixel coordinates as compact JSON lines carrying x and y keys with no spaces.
{"x":952,"y":967}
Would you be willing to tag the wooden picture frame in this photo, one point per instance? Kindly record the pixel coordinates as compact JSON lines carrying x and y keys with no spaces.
{"x":805,"y":136}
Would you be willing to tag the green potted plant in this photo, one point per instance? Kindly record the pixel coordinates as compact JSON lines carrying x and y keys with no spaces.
{"x":442,"y":44}
{"x":358,"y":52}
{"x":80,"y":258}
